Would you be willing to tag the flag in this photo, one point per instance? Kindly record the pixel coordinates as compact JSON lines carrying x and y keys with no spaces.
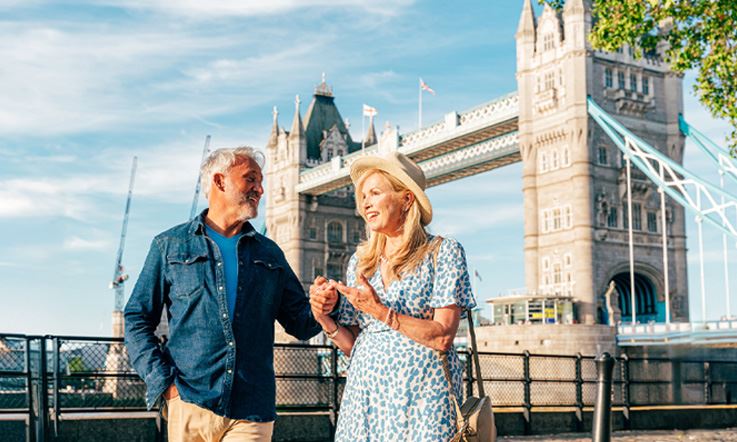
{"x":425,"y":87}
{"x":476,"y":274}
{"x":369,"y":111}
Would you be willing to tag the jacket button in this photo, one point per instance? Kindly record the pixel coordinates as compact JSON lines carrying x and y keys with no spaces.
{"x":225,"y":315}
{"x":230,"y":343}
{"x":230,"y":371}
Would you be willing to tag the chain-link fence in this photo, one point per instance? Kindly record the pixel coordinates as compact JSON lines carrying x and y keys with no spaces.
{"x":92,"y":374}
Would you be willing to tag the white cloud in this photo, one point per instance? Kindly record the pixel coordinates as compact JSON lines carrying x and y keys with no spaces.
{"x":196,"y":9}
{"x":76,"y":243}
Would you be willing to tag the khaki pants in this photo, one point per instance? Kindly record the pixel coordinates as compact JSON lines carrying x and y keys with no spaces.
{"x":187,"y":422}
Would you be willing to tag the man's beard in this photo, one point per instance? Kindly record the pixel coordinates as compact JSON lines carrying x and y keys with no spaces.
{"x":247,"y":208}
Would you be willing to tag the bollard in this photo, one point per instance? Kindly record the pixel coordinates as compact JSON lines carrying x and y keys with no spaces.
{"x":602,"y":424}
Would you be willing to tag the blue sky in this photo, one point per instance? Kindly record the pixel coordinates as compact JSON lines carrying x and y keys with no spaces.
{"x":86,"y":85}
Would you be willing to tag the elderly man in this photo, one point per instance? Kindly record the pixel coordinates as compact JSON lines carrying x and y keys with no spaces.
{"x":223,"y":285}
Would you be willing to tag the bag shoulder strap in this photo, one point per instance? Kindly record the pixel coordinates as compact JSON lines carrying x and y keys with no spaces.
{"x":474,"y":349}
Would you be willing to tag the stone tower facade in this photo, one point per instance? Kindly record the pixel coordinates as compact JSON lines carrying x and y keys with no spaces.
{"x":317,"y":233}
{"x":574,"y":182}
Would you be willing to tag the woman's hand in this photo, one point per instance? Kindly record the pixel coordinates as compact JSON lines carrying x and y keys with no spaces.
{"x":323,"y":297}
{"x":364,"y":299}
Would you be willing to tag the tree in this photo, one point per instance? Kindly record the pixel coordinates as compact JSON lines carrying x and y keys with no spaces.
{"x":695,"y":34}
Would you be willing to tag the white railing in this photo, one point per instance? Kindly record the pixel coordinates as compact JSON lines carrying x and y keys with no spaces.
{"x":717,"y":332}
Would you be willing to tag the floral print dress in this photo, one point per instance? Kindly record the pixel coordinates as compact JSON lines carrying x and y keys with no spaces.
{"x":396,"y":389}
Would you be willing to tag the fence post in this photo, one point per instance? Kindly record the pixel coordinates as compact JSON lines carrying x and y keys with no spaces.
{"x":30,"y":428}
{"x":469,"y":375}
{"x":528,"y":398}
{"x":42,"y":392}
{"x":602,"y":424}
{"x":56,"y":368}
{"x":707,"y":382}
{"x":626,"y":391}
{"x":335,"y":379}
{"x":579,"y":392}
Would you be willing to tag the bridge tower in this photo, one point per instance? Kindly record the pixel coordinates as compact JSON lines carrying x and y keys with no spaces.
{"x":574,"y":179}
{"x":317,"y":233}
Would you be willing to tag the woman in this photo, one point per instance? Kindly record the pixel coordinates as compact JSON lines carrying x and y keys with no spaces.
{"x":406,"y":291}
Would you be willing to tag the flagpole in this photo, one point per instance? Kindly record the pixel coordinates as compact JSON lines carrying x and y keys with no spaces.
{"x":419,"y":112}
{"x":363,"y":132}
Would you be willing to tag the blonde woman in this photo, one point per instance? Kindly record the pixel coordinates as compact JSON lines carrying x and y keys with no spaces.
{"x":404,"y":296}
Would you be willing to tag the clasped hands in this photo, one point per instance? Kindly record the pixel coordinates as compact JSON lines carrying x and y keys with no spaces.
{"x":324,"y":296}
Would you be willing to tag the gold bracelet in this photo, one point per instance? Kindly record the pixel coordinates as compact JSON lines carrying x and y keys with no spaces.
{"x":332,"y":334}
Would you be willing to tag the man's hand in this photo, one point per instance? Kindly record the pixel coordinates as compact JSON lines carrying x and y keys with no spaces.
{"x":171,"y":392}
{"x":323,"y":297}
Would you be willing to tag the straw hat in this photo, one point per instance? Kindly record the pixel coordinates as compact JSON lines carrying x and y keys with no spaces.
{"x":401,"y":168}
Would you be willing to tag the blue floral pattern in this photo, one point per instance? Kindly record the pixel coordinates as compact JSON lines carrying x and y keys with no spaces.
{"x":396,"y":389}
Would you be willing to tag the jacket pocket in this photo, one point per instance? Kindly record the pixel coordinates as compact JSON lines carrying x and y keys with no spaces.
{"x":187,"y":273}
{"x":268,"y":281}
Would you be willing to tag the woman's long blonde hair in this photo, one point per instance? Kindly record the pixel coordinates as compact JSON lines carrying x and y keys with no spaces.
{"x":414,"y":247}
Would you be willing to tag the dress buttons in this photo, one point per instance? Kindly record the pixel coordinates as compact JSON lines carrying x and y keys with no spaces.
{"x":225,"y":315}
{"x":230,"y":343}
{"x":230,"y":371}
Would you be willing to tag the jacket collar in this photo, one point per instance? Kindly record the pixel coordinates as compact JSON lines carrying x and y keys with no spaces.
{"x":197,"y":226}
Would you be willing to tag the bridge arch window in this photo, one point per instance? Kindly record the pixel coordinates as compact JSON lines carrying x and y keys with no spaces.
{"x":557,"y":273}
{"x":335,"y":232}
{"x":608,"y":80}
{"x":554,"y":160}
{"x":646,"y":305}
{"x":567,"y":260}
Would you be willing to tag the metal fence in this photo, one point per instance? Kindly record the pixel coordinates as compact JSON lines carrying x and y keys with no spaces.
{"x":93,"y":374}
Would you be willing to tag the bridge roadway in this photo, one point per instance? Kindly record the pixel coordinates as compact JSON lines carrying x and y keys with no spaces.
{"x":462,"y":144}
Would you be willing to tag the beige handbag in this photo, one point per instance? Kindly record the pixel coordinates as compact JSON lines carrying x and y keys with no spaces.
{"x":475,"y":418}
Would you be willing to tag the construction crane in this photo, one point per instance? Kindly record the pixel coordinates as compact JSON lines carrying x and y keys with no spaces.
{"x":119,"y":277}
{"x":205,"y":151}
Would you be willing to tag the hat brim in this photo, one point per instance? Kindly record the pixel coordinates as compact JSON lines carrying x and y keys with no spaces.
{"x":365,"y":164}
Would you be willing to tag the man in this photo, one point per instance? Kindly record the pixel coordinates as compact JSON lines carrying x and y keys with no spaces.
{"x":223,"y":285}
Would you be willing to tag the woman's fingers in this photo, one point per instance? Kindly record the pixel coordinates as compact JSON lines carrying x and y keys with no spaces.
{"x":364,"y":282}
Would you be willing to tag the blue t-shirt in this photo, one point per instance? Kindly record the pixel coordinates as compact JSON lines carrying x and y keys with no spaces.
{"x":229,"y":251}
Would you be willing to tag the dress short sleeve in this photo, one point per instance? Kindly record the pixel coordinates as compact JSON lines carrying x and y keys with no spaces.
{"x":452,"y":285}
{"x":347,"y":314}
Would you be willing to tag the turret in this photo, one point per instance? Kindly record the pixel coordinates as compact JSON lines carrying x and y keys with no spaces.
{"x":370,"y":137}
{"x":526,"y":34}
{"x":297,"y":142}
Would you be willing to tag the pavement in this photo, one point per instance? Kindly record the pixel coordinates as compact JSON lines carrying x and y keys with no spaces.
{"x":723,"y":435}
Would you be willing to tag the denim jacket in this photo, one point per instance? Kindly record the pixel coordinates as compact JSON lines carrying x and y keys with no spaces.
{"x":220,"y":363}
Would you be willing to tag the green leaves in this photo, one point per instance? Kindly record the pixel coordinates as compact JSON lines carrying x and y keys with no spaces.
{"x":689,"y":34}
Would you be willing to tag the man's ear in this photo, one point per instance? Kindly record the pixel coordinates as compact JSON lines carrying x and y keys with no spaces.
{"x":218,"y":180}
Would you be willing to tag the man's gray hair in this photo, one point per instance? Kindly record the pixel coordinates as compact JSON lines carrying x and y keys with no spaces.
{"x":221,"y":160}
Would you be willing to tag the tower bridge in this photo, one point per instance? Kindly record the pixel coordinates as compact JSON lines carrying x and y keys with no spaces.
{"x":589,"y":219}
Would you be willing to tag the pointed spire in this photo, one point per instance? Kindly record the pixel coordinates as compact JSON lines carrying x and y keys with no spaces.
{"x":298,"y":129}
{"x":370,"y":138}
{"x":527,"y":22}
{"x":274,"y":137}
